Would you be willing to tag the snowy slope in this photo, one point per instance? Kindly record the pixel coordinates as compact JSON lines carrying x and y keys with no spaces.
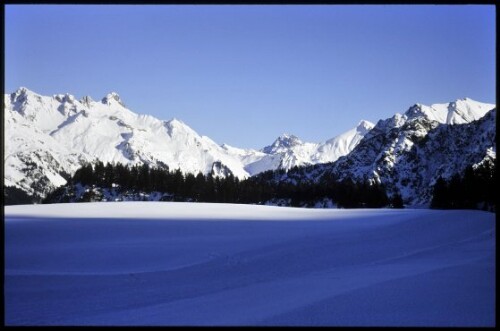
{"x":341,"y":145}
{"x":109,"y":132}
{"x":48,"y":138}
{"x":289,"y":151}
{"x":457,"y":112}
{"x":201,"y":264}
{"x":34,"y":160}
{"x":407,"y":153}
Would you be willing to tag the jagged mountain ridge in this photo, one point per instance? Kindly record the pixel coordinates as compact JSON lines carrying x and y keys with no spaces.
{"x":48,"y":138}
{"x":408,"y":152}
{"x":294,"y":152}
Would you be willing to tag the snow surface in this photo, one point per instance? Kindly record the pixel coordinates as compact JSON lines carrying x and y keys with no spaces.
{"x":144,"y":263}
{"x":59,"y":133}
{"x":458,"y":112}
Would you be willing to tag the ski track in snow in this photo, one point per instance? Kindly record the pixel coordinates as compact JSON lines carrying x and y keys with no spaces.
{"x":221,"y":264}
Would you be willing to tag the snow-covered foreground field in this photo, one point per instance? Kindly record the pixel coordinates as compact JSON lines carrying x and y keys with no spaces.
{"x":146,"y":263}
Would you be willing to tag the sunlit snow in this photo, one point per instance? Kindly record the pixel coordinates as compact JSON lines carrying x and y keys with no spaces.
{"x":59,"y":133}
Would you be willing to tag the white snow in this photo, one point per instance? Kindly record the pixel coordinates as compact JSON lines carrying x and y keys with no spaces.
{"x":408,"y":153}
{"x":341,"y":145}
{"x":59,"y":133}
{"x":144,"y":263}
{"x":288,"y":150}
{"x":74,"y":131}
{"x":176,"y":210}
{"x":457,"y":112}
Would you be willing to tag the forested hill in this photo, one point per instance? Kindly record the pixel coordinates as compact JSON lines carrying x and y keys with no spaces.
{"x":109,"y":182}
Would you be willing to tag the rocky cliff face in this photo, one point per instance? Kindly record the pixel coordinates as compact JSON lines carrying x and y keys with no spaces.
{"x":407,"y":153}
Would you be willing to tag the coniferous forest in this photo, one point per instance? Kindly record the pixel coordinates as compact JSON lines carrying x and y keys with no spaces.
{"x":207,"y":188}
{"x":474,"y":189}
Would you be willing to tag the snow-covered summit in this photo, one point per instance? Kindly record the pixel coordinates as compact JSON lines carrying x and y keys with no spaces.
{"x":49,"y":137}
{"x":364,"y":126}
{"x":59,"y":133}
{"x":23,"y":91}
{"x":176,"y":123}
{"x":408,"y":152}
{"x":87,"y":101}
{"x":284,"y":141}
{"x":289,"y":151}
{"x":65,"y":98}
{"x":21,"y":95}
{"x":112,"y":97}
{"x":456,"y":112}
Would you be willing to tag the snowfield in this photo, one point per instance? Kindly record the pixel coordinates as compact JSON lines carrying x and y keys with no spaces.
{"x":165,"y":263}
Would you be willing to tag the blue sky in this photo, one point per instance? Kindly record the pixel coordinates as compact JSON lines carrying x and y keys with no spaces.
{"x":244,"y":74}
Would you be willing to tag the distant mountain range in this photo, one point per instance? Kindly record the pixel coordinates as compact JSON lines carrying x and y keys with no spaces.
{"x":49,"y":137}
{"x":408,"y":153}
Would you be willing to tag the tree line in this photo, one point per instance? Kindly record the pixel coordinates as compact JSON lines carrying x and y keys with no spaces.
{"x":474,"y":189}
{"x":208,"y":188}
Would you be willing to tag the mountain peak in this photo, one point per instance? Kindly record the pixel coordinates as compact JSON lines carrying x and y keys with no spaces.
{"x":65,"y":98}
{"x":49,"y":136}
{"x":21,"y":94}
{"x":468,"y":102}
{"x":176,"y":122}
{"x":286,"y":136}
{"x":287,"y":140}
{"x":178,"y":126}
{"x":460,"y":111}
{"x":461,"y":100}
{"x":86,"y":100}
{"x":364,"y":126}
{"x":112,"y":97}
{"x":284,"y":141}
{"x":22,"y":90}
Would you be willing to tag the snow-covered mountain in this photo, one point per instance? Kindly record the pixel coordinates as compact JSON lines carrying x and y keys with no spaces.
{"x":408,"y":152}
{"x":49,"y":137}
{"x":289,"y":151}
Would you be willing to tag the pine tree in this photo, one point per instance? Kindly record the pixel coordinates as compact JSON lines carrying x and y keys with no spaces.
{"x":440,"y":195}
{"x":98,"y":174}
{"x":455,"y":192}
{"x":397,"y":201}
{"x":470,"y":189}
{"x":143,"y":178}
{"x":109,"y":175}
